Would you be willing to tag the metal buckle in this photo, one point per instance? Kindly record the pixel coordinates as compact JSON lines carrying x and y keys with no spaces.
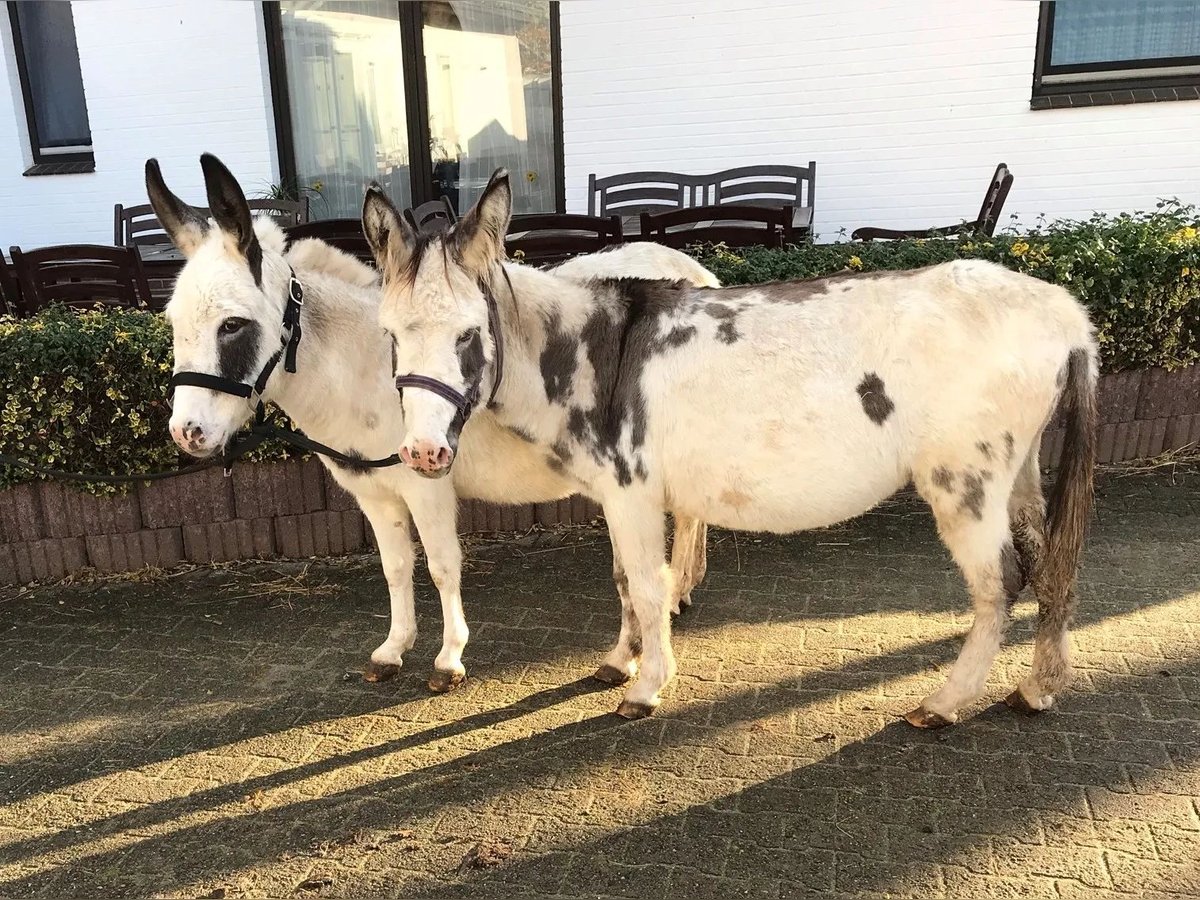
{"x":295,"y":291}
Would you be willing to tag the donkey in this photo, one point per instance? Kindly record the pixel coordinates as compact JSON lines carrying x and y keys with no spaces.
{"x":226,"y":312}
{"x":779,"y":408}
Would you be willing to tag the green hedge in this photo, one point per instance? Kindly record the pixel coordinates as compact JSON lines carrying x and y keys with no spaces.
{"x":1138,"y":274}
{"x":88,"y":392}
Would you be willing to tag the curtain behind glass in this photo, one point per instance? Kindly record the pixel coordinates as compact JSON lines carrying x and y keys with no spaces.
{"x":346,"y":92}
{"x":55,"y":80}
{"x":1087,"y":31}
{"x":490,"y":99}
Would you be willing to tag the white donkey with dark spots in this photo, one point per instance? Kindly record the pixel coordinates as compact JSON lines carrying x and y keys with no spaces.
{"x":226,"y":314}
{"x":779,"y":408}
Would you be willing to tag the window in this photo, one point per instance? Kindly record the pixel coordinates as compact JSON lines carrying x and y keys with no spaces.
{"x":1093,"y":52}
{"x":425,"y":98}
{"x":52,"y":83}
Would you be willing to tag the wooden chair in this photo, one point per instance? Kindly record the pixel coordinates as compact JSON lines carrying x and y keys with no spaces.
{"x":545,"y":239}
{"x":81,"y":276}
{"x":432,"y":217}
{"x":771,"y":186}
{"x":137,"y":225}
{"x":634,"y":193}
{"x":985,"y":223}
{"x":736,"y":226}
{"x":345,"y":234}
{"x":10,"y":291}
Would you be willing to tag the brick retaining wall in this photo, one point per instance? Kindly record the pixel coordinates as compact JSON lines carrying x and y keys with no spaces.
{"x":294,"y":509}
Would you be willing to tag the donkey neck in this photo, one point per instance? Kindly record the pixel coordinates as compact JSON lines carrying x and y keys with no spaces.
{"x":341,"y":393}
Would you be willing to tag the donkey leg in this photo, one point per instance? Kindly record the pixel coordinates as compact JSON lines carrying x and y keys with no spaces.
{"x":621,"y":662}
{"x":1027,"y":513}
{"x":636,"y":527}
{"x":436,"y":520}
{"x":689,"y":560}
{"x":390,"y":522}
{"x":974,"y":526}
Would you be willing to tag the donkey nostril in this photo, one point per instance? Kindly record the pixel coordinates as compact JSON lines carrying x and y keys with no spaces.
{"x":443,"y":456}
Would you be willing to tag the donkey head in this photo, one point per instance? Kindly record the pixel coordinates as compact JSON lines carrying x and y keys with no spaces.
{"x":435,"y":307}
{"x":226,"y":309}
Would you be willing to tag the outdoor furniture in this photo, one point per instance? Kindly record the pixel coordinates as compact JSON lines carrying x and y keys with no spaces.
{"x":632,"y":193}
{"x":10,"y":292}
{"x":736,"y":226}
{"x":345,"y":234}
{"x":79,"y":275}
{"x":137,"y":225}
{"x":989,"y":215}
{"x":432,"y":217}
{"x":544,"y":239}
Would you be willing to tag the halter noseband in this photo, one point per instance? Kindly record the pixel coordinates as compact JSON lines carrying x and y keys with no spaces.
{"x":465,"y":403}
{"x":289,"y":340}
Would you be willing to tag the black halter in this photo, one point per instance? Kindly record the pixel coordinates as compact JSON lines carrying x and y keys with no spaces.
{"x":262,"y":430}
{"x":465,"y":403}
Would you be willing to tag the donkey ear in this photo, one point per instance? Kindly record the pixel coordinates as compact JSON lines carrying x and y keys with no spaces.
{"x":391,"y":238}
{"x":231,"y":211}
{"x":479,"y":235}
{"x":184,"y":224}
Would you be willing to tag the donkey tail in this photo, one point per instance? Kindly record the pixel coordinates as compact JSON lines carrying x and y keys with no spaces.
{"x":1070,"y":504}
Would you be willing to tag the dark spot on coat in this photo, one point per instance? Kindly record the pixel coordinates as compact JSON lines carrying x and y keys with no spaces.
{"x":679,"y":335}
{"x":875,"y":402}
{"x":943,"y":478}
{"x":561,"y":452}
{"x":728,"y":333}
{"x":555,"y":464}
{"x":558,"y":361}
{"x":1008,"y":446}
{"x":371,"y":422}
{"x":985,"y":448}
{"x":237,"y":353}
{"x":972,"y":495}
{"x":1011,"y":574}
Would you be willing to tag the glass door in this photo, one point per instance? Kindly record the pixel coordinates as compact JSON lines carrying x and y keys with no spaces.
{"x":345,"y":86}
{"x":490,"y":99}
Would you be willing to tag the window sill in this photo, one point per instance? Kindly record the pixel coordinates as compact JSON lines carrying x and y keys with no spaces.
{"x":1097,"y":95}
{"x":62,"y":168}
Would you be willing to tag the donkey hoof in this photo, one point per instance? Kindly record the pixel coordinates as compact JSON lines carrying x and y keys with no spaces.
{"x":611,"y":675}
{"x":443,"y":682}
{"x":682,"y":603}
{"x":1018,"y":701}
{"x":631,"y":709}
{"x":924,"y":718}
{"x":377,"y":673}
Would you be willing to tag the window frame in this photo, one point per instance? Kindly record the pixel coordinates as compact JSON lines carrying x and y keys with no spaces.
{"x":69,"y":162}
{"x":1120,"y":81}
{"x":412,"y":46}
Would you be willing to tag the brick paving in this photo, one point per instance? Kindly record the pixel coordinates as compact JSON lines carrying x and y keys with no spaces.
{"x":205,"y":734}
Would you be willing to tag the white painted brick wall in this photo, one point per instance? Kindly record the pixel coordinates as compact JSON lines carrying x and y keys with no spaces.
{"x":165,"y":78}
{"x":906,"y":107}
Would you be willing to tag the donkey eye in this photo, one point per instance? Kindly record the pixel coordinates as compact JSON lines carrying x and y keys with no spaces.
{"x":231,"y":326}
{"x":465,"y":337}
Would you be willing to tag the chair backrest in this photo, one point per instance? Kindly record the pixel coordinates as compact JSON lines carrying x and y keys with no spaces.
{"x":80,"y":275}
{"x":10,"y":291}
{"x":632,"y":193}
{"x":993,"y":200}
{"x":432,"y":217}
{"x":545,"y":239}
{"x":344,"y":234}
{"x":139,"y":226}
{"x":765,"y":186}
{"x":737,"y":226}
{"x":285,"y":212}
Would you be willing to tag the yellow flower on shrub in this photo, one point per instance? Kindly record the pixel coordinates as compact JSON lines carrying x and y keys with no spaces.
{"x":1187,"y":270}
{"x":1185,"y":235}
{"x":854,"y":262}
{"x":1020,"y":248}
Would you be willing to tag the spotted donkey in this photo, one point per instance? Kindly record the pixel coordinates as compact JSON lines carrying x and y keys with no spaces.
{"x":779,"y":407}
{"x":225,"y":313}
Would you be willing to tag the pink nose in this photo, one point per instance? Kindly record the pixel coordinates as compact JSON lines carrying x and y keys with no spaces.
{"x":427,"y":456}
{"x":189,"y":436}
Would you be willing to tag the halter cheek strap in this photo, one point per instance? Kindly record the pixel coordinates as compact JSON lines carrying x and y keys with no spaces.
{"x":465,"y":404}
